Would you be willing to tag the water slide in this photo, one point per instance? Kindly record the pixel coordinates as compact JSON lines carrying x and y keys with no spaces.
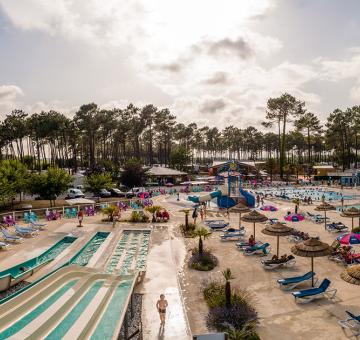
{"x":206,"y":197}
{"x":72,"y":303}
{"x":11,"y":276}
{"x":223,"y":200}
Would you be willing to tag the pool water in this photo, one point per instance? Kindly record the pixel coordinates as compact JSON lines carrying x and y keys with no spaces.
{"x":315,"y":194}
{"x":85,"y":254}
{"x":107,"y":325}
{"x":130,"y":253}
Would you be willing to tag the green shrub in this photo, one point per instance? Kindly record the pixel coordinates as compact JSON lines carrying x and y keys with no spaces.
{"x":356,"y":230}
{"x":204,"y":262}
{"x":138,"y":217}
{"x":187,"y":232}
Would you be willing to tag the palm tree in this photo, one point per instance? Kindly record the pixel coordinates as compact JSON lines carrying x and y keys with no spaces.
{"x":110,"y":211}
{"x":201,"y":233}
{"x":227,"y":276}
{"x":153,"y":210}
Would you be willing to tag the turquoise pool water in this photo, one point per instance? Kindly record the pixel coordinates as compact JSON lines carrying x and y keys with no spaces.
{"x":130,"y":253}
{"x":315,"y":194}
{"x":64,"y":326}
{"x":106,"y":327}
{"x":26,"y":319}
{"x":49,"y":254}
{"x":85,"y":254}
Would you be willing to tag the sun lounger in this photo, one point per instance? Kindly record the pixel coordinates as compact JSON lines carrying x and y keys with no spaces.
{"x":25,"y":231}
{"x":262,"y":249}
{"x":288,"y":261}
{"x":218,"y":226}
{"x":243,"y":245}
{"x":232,"y":234}
{"x":352,"y":323}
{"x":290,"y":283}
{"x":4,"y":245}
{"x":37,"y":225}
{"x":336,"y":227}
{"x":214,"y":221}
{"x":311,"y":294}
{"x":9,"y":237}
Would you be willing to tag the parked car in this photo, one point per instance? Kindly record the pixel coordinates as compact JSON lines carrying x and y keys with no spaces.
{"x":75,"y":193}
{"x":115,"y":192}
{"x":134,"y":192}
{"x":104,"y":193}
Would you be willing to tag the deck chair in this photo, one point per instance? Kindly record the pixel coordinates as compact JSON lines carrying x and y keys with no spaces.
{"x":290,"y":283}
{"x":262,"y":249}
{"x":289,"y":261}
{"x":37,"y":225}
{"x":311,"y":294}
{"x":217,"y":226}
{"x":25,"y":231}
{"x":4,"y":245}
{"x":352,"y":323}
{"x":9,"y":237}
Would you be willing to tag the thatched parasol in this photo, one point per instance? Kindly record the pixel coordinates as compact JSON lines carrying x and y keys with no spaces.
{"x":352,"y":275}
{"x":352,"y":213}
{"x":311,"y":248}
{"x":278,"y":229}
{"x":254,"y":217}
{"x":239,"y":209}
{"x":324,"y":206}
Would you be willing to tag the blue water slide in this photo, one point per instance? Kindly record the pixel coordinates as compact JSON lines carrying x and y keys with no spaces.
{"x":250,"y":199}
{"x":206,"y":197}
{"x":225,"y":202}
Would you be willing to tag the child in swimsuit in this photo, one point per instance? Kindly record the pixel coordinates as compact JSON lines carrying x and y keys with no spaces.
{"x":161,"y":306}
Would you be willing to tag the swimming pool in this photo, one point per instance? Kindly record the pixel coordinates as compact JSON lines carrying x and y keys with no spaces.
{"x":130,"y":254}
{"x":316,"y":194}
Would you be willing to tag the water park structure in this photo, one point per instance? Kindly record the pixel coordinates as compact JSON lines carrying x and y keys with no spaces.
{"x":230,"y":193}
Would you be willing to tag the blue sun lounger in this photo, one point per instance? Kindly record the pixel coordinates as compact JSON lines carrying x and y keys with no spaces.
{"x":4,"y":245}
{"x":311,"y":294}
{"x":218,"y":225}
{"x":25,"y":231}
{"x":37,"y":225}
{"x":291,"y":282}
{"x":262,"y":249}
{"x":352,"y":323}
{"x":9,"y":237}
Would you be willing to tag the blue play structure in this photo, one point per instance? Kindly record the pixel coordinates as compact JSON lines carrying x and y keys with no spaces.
{"x":231,"y":193}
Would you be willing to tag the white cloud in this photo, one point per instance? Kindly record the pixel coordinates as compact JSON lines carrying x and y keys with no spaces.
{"x":8,"y":96}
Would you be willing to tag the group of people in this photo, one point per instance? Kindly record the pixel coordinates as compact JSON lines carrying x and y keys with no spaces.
{"x":199,"y":211}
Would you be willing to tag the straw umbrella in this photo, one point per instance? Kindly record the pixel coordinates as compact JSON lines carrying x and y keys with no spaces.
{"x":254,"y":217}
{"x":311,"y":248}
{"x":352,"y":275}
{"x":324,"y":206}
{"x":352,"y":213}
{"x":278,"y":229}
{"x":240,"y":209}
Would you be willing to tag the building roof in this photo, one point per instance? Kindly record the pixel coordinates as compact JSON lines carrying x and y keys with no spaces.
{"x":323,"y":167}
{"x":244,"y":163}
{"x":163,"y":171}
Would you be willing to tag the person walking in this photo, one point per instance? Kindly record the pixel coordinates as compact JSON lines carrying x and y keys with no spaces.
{"x":195,"y":215}
{"x":161,"y":306}
{"x":202,"y":214}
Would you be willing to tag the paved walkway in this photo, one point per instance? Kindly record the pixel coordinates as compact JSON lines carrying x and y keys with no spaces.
{"x":161,"y":277}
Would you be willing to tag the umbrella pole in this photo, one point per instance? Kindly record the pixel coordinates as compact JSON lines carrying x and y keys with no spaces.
{"x":239,"y":221}
{"x":352,"y":224}
{"x":277,"y":251}
{"x":325,"y":220}
{"x":312,"y":269}
{"x":254,"y":230}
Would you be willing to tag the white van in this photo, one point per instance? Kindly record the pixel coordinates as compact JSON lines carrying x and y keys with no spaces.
{"x":75,"y":193}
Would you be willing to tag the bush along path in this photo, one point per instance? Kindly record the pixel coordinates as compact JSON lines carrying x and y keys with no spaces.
{"x":230,"y":310}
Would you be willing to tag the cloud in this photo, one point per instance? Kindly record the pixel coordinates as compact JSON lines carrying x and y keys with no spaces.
{"x":217,"y":78}
{"x":239,"y":47}
{"x":8,"y":97}
{"x":212,"y":105}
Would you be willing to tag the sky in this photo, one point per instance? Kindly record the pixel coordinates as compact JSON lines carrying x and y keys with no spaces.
{"x":209,"y":61}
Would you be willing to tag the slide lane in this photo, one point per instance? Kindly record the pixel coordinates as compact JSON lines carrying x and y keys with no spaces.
{"x":75,"y":303}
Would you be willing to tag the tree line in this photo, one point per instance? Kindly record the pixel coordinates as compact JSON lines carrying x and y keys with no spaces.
{"x":96,"y":137}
